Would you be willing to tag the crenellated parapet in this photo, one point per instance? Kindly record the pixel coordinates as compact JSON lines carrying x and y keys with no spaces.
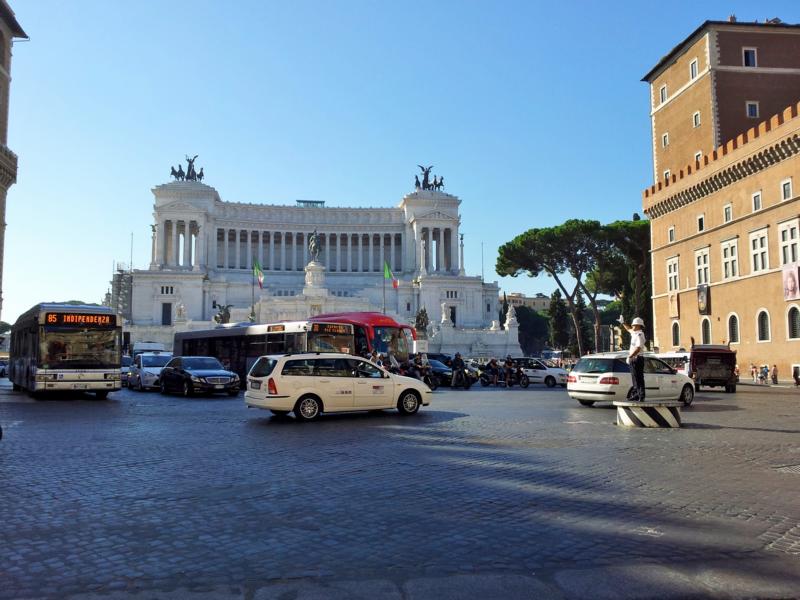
{"x":760,"y":147}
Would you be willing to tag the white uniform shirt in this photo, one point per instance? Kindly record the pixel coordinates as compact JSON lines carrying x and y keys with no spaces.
{"x":637,"y":341}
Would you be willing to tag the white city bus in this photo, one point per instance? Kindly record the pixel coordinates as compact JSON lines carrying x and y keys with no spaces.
{"x":238,"y":346}
{"x":60,"y":347}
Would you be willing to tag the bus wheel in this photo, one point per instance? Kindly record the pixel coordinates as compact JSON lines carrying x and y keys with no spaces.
{"x":101,"y":395}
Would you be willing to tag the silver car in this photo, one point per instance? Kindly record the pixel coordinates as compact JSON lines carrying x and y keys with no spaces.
{"x":146,"y":370}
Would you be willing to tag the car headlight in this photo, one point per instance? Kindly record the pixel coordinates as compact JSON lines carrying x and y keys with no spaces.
{"x":235,"y":377}
{"x":196,"y":379}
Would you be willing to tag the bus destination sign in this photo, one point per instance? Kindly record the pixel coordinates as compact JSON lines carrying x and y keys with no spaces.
{"x":274,"y":328}
{"x":335,"y":328}
{"x":69,"y":319}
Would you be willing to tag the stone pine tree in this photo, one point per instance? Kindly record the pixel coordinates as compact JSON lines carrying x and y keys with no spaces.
{"x":421,"y":323}
{"x":558,"y":320}
{"x":584,"y":323}
{"x":533,"y":330}
{"x":566,"y":252}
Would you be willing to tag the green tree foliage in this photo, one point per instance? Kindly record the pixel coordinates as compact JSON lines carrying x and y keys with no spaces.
{"x":4,"y":327}
{"x":565,"y":251}
{"x":585,"y":323}
{"x":558,"y":322}
{"x":533,"y":330}
{"x":624,"y":269}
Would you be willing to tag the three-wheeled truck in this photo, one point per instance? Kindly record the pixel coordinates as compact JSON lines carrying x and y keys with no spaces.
{"x":713,"y":365}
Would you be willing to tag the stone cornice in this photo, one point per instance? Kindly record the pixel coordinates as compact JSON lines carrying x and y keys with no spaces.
{"x":8,"y":167}
{"x":765,"y":158}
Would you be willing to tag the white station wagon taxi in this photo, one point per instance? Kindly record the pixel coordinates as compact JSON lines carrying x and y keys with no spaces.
{"x":607,"y":377}
{"x":310,"y":384}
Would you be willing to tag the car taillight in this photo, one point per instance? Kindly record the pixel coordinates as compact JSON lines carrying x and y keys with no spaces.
{"x":609,"y":380}
{"x":571,"y":379}
{"x":271,"y":387}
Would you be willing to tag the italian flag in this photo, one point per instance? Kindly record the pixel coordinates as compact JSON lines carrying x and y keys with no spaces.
{"x":258,"y":273}
{"x":387,"y":274}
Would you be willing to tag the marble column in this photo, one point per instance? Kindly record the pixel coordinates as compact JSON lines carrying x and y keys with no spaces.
{"x":198,"y":248}
{"x":175,"y":247}
{"x":453,"y":249}
{"x":187,"y":244}
{"x":461,"y":256}
{"x":283,"y":250}
{"x":271,"y":250}
{"x":225,"y":248}
{"x":261,"y":249}
{"x":354,"y":245}
{"x":440,"y":251}
{"x":381,"y":251}
{"x":238,"y":251}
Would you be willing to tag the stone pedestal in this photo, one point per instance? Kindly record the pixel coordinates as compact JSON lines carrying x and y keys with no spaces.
{"x":315,"y":280}
{"x":666,"y":414}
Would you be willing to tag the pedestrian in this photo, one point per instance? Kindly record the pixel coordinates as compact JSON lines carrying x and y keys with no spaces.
{"x":796,"y":376}
{"x":754,"y":372}
{"x":774,"y":374}
{"x":763,"y":374}
{"x":636,"y":358}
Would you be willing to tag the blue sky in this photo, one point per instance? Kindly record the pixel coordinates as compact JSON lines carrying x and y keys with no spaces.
{"x":534,"y":112}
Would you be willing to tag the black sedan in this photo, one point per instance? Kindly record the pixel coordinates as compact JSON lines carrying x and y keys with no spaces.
{"x":191,"y":375}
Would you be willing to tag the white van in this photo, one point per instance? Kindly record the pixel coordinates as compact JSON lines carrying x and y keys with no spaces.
{"x":677,"y":360}
{"x":139,"y":347}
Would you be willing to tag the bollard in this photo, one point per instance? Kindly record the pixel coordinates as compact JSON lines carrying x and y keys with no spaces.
{"x":654,"y":413}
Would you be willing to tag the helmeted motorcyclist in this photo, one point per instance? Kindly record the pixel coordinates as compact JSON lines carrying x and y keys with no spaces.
{"x":509,"y":369}
{"x":493,"y":369}
{"x":457,"y":366}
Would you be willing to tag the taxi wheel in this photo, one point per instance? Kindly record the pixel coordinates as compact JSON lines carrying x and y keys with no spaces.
{"x":687,"y":395}
{"x":408,"y":403}
{"x":550,"y":381}
{"x":307,"y":408}
{"x":586,"y":402}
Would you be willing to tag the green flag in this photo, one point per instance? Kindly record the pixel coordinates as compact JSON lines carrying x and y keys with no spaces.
{"x":258,"y":273}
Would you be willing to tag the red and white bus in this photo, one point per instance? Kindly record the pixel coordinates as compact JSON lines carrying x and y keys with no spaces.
{"x":375,"y":331}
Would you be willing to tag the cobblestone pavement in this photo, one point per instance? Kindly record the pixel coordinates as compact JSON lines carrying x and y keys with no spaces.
{"x":487,"y":493}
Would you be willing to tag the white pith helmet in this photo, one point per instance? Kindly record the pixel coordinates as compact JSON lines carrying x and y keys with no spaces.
{"x":638,"y":321}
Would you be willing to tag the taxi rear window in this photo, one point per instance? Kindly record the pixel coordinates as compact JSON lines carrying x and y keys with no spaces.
{"x":263,"y":367}
{"x":601,"y":365}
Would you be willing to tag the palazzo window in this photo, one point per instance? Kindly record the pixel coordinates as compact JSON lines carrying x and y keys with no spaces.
{"x":751,"y":109}
{"x":758,"y":251}
{"x":733,"y":329}
{"x":672,"y":274}
{"x":786,"y":189}
{"x":788,"y":233}
{"x":730,"y":259}
{"x":756,"y":201}
{"x":693,"y":69}
{"x":701,"y":266}
{"x":696,"y":119}
{"x":750,"y":57}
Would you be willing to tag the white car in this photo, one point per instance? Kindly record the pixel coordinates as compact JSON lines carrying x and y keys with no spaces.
{"x":607,"y":377}
{"x":310,"y":384}
{"x":145,"y":373}
{"x":539,"y":371}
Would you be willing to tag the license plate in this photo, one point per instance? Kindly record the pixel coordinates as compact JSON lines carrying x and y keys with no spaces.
{"x":219,"y":387}
{"x":79,"y":386}
{"x":255,"y":385}
{"x":588,"y":379}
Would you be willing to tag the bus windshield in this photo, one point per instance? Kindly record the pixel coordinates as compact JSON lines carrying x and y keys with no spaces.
{"x":69,"y":348}
{"x":329,"y":342}
{"x":390,"y":340}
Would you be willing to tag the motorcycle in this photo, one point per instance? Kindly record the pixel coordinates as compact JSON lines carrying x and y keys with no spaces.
{"x":517,"y":378}
{"x":462,"y":378}
{"x":422,"y":373}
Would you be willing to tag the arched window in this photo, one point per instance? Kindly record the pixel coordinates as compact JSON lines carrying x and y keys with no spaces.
{"x":794,"y":323}
{"x":763,"y":326}
{"x":676,"y":334}
{"x":733,"y":329}
{"x":706,"y":331}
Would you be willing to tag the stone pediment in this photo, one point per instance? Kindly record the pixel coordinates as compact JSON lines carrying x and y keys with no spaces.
{"x":435,"y":215}
{"x":179,"y":207}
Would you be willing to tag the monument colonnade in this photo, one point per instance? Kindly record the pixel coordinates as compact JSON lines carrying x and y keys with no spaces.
{"x":178,"y":243}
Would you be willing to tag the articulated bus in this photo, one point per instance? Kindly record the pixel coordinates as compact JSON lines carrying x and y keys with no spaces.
{"x":237,"y":346}
{"x":60,"y":347}
{"x":376,"y":331}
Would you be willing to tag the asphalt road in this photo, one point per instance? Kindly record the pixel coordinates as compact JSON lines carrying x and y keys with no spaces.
{"x":487,"y":493}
